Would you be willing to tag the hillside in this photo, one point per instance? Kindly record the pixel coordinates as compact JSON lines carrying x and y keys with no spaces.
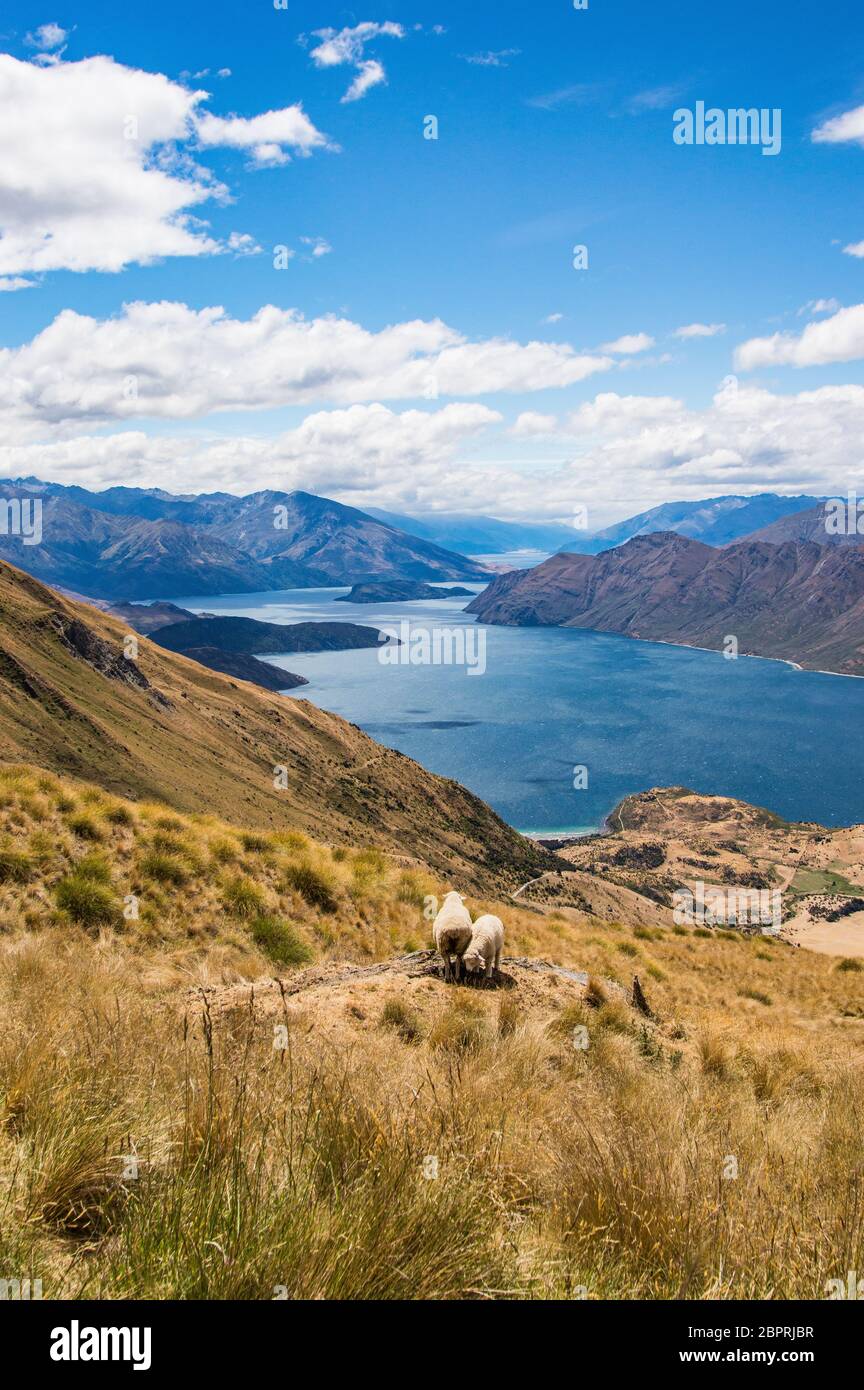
{"x":800,"y":602}
{"x":165,"y":727}
{"x":713,"y":520}
{"x":242,"y":1035}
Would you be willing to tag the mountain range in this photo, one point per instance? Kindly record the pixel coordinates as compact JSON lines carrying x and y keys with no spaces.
{"x":133,"y":543}
{"x":714,"y":520}
{"x":798,"y":601}
{"x":479,"y":535}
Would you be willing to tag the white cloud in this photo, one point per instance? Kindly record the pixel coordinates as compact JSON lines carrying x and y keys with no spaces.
{"x":623,"y":454}
{"x":368,"y":446}
{"x":631,"y":342}
{"x":15,"y":282}
{"x":699,"y":330}
{"x":530,"y":425}
{"x":840,"y":129}
{"x":266,"y":136}
{"x":491,"y":59}
{"x":855,"y":248}
{"x":187,"y":363}
{"x":839,"y":338}
{"x":819,"y":306}
{"x":552,"y":318}
{"x":47,"y":36}
{"x":93,"y":170}
{"x":241,"y":244}
{"x":317,"y":245}
{"x":347,"y":46}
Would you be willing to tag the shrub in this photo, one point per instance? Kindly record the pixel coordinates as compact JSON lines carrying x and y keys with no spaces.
{"x":255,"y":844}
{"x":164,"y":868}
{"x":15,"y":866}
{"x":223,"y":850}
{"x":87,"y":901}
{"x":242,"y":897}
{"x":848,"y":964}
{"x":118,"y":814}
{"x":94,"y":867}
{"x":280,"y":941}
{"x":311,"y":884}
{"x":85,"y":826}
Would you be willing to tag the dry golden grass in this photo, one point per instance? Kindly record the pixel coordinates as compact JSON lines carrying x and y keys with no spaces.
{"x":154,"y":1146}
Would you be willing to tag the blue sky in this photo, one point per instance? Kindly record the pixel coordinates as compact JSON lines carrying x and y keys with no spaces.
{"x":555,"y":129}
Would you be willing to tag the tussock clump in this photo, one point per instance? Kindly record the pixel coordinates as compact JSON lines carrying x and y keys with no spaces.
{"x":242,"y":897}
{"x":280,"y":941}
{"x":87,"y":901}
{"x":313,"y":884}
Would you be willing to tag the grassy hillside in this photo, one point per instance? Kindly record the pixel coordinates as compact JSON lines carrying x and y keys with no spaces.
{"x":165,"y":727}
{"x":243,"y":1090}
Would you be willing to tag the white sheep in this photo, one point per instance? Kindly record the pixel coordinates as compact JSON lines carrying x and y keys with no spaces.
{"x":486,"y":945}
{"x":452,"y":930}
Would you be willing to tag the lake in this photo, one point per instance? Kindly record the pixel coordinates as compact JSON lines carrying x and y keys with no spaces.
{"x":551,"y":700}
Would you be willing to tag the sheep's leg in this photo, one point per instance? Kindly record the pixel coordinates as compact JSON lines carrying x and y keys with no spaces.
{"x":446,"y":957}
{"x":498,"y":962}
{"x":489,"y":968}
{"x":458,"y":968}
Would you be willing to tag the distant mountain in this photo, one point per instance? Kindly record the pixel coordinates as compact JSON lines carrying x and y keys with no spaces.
{"x":799,"y":601}
{"x":479,"y":535}
{"x":715,"y":520}
{"x":163,"y":727}
{"x":809,"y":525}
{"x":135,"y":543}
{"x":386,"y":590}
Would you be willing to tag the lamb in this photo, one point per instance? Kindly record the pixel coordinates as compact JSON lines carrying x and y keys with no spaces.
{"x":487,"y":943}
{"x":452,"y":932}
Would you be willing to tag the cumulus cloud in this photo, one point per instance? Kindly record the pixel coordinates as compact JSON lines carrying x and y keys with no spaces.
{"x":95,"y":169}
{"x":362,"y":447}
{"x":839,"y":338}
{"x":530,"y":425}
{"x":631,"y":342}
{"x":840,"y":129}
{"x":699,"y":330}
{"x":855,"y":248}
{"x":169,"y":361}
{"x":339,"y":47}
{"x":265,"y":136}
{"x":622,"y":454}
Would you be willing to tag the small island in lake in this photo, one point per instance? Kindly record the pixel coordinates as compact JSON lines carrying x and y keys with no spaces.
{"x":383,"y":590}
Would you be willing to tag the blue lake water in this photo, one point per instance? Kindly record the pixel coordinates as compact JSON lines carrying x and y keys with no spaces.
{"x":633,"y":714}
